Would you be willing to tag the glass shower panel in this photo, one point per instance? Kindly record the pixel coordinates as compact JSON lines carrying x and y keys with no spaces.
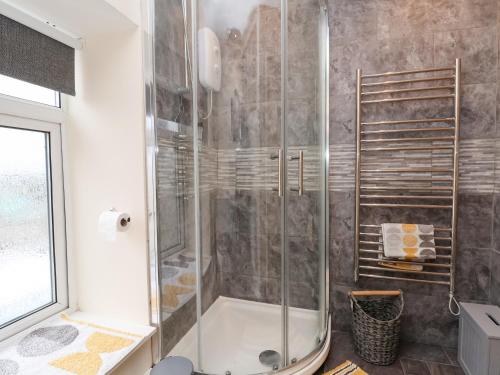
{"x":305,"y":198}
{"x":241,"y":130}
{"x":241,"y":263}
{"x":175,"y":208}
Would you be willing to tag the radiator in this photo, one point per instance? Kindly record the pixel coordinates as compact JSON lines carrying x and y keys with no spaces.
{"x":479,"y":339}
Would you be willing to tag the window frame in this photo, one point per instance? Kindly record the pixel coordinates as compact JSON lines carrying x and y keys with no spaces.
{"x":23,"y":114}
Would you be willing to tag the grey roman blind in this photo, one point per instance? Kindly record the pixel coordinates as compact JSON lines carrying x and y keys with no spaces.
{"x":30,"y":56}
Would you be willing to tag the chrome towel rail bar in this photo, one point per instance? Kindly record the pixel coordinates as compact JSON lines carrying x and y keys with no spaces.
{"x":409,"y":163}
{"x":414,"y":121}
{"x":416,"y":89}
{"x":416,"y":130}
{"x":408,"y":99}
{"x":405,"y":72}
{"x":403,"y":81}
{"x":405,"y":279}
{"x":422,"y":139}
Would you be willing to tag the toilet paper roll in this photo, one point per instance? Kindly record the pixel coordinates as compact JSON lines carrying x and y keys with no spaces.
{"x":111,"y":222}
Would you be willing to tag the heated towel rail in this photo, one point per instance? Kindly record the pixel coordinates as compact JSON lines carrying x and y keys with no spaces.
{"x":408,"y":126}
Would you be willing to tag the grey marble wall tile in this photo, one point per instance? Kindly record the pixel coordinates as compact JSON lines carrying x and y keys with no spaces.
{"x":269,"y":27}
{"x":225,"y":216}
{"x":223,"y":121}
{"x":342,"y":261}
{"x":342,"y":116}
{"x":250,"y":254}
{"x":340,"y":307}
{"x":352,"y":19}
{"x":495,"y":278}
{"x":250,"y":79}
{"x":245,"y":287}
{"x":231,"y":82}
{"x":251,"y":119}
{"x":473,"y":274}
{"x":475,"y":220}
{"x":273,"y":290}
{"x":167,"y":103}
{"x":303,"y":215}
{"x":303,"y":295}
{"x":270,"y":79}
{"x":303,"y":20}
{"x":273,"y":212}
{"x":357,"y":54}
{"x":476,"y":47}
{"x":250,"y":211}
{"x":274,"y":256}
{"x":303,"y":261}
{"x":403,"y":18}
{"x":459,"y":14}
{"x":342,"y":215}
{"x":397,"y":54}
{"x":302,"y":125}
{"x":496,"y":221}
{"x":342,"y":237}
{"x":427,"y":320}
{"x":303,"y":72}
{"x":227,"y":260}
{"x":270,"y":130}
{"x":478,"y":111}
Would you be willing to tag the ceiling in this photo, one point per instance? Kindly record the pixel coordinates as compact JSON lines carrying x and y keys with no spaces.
{"x":80,"y":19}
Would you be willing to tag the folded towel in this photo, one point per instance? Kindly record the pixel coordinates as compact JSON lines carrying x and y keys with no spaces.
{"x":408,"y":241}
{"x":346,"y":368}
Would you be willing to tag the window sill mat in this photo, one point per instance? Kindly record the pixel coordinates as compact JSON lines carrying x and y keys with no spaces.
{"x":69,"y":342}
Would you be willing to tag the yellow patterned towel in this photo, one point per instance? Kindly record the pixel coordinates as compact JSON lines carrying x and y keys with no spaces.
{"x":346,"y":368}
{"x":408,"y":241}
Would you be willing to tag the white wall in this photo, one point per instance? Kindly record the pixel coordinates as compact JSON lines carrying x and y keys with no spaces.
{"x":106,"y":159}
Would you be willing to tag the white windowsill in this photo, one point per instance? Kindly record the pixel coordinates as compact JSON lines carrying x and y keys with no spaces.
{"x":86,"y":324}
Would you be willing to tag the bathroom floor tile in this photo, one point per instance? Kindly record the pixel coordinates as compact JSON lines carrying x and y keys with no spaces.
{"x":414,"y":359}
{"x":421,"y":352}
{"x":414,"y":367}
{"x":439,"y":369}
{"x":343,"y":349}
{"x":452,"y":355}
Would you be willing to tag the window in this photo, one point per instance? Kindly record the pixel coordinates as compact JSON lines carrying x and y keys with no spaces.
{"x":33,"y":276}
{"x":27,"y":91}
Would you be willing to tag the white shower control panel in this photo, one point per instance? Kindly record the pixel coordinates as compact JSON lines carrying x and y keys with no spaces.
{"x":209,"y":59}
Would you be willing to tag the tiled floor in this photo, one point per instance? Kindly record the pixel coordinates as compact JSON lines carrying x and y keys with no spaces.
{"x":414,"y":359}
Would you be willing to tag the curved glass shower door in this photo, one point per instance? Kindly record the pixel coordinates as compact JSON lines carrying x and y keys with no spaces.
{"x":306,"y":146}
{"x":239,"y":179}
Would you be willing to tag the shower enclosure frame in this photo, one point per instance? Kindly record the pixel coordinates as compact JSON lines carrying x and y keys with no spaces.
{"x":148,"y":18}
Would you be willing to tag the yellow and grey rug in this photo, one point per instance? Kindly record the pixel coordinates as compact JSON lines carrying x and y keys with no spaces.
{"x":346,"y":368}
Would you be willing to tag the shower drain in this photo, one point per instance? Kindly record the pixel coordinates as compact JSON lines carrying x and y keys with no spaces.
{"x":270,"y":358}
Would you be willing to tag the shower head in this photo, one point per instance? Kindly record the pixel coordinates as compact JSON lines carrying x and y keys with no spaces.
{"x":233,"y":34}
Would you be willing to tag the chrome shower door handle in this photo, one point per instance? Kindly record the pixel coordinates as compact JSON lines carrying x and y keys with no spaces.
{"x":280,"y":173}
{"x":300,"y":159}
{"x":301,"y":173}
{"x":279,"y":156}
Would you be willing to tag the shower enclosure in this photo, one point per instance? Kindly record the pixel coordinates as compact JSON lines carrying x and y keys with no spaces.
{"x":237,"y":136}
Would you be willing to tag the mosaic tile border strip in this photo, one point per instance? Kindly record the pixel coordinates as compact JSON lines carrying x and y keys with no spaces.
{"x":253,"y":168}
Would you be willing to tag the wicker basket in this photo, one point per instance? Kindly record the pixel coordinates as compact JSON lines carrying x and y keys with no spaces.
{"x":376,"y":322}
